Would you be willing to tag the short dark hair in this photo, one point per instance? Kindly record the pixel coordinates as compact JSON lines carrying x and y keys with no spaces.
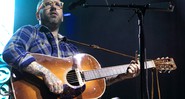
{"x":38,"y":4}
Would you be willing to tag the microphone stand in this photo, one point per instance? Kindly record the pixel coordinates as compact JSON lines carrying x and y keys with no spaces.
{"x":140,"y":11}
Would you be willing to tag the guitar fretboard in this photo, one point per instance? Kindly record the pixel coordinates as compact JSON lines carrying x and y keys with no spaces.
{"x":113,"y":70}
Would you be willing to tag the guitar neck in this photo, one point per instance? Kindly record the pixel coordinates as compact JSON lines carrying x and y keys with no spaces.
{"x":110,"y":71}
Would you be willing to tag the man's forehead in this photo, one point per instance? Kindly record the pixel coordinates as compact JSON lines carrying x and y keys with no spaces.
{"x":50,"y":0}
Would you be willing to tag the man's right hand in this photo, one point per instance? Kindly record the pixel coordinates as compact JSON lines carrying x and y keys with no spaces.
{"x":54,"y":84}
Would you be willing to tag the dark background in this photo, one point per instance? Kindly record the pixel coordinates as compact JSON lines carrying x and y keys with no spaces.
{"x":164,"y":36}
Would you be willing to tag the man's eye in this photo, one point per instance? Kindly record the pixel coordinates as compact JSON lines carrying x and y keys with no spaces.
{"x":57,"y":4}
{"x":47,"y":4}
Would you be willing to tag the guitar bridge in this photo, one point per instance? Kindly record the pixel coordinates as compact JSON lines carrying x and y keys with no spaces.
{"x":75,"y":77}
{"x":79,"y":77}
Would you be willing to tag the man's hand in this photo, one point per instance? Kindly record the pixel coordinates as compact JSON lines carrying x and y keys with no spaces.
{"x":132,"y":71}
{"x":54,"y":84}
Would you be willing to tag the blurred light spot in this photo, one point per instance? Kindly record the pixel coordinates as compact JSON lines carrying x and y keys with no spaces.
{"x":67,"y":14}
{"x":6,"y":21}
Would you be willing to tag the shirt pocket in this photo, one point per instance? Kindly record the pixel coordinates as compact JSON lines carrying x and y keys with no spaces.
{"x":41,"y":46}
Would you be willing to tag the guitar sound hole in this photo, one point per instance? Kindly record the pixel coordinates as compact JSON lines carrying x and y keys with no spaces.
{"x":72,"y":78}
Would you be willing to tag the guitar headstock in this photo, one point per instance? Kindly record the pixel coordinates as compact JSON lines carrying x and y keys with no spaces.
{"x":165,"y":64}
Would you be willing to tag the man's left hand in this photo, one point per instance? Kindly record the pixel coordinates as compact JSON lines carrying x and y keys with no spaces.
{"x":132,"y":71}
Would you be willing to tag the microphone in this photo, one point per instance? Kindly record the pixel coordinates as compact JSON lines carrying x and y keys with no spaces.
{"x":162,"y":6}
{"x":73,"y":5}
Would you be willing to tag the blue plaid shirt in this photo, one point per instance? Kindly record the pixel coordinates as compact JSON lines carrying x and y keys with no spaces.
{"x":34,"y":39}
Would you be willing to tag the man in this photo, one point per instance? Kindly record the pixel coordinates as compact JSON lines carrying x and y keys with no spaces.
{"x":44,"y":38}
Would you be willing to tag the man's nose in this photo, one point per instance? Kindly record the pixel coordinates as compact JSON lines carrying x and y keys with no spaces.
{"x":53,"y":6}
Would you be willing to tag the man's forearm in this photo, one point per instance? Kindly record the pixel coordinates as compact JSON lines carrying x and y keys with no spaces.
{"x":111,"y":80}
{"x":114,"y":79}
{"x":36,"y":69}
{"x":54,"y":83}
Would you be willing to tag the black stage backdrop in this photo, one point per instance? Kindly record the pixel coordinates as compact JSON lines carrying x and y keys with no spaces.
{"x":164,"y":36}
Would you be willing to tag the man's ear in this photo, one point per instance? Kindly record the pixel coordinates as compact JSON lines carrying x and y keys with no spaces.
{"x":62,"y":19}
{"x":37,"y":15}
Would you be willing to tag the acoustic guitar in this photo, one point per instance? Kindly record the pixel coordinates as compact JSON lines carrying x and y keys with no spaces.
{"x":81,"y":74}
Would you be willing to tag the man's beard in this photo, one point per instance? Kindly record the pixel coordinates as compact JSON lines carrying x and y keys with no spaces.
{"x":52,"y":22}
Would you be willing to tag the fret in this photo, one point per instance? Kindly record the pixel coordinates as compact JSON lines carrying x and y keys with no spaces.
{"x":109,"y":71}
{"x":104,"y":72}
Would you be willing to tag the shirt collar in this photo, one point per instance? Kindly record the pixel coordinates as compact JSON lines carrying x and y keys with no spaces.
{"x":44,"y":29}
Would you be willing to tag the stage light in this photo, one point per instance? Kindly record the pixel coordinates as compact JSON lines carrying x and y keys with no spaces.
{"x":4,"y":91}
{"x":6,"y":31}
{"x":67,"y":14}
{"x":4,"y":81}
{"x":6,"y":21}
{"x":4,"y":74}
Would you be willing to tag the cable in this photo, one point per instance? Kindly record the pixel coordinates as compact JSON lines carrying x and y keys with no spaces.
{"x":158,"y":86}
{"x":100,"y":48}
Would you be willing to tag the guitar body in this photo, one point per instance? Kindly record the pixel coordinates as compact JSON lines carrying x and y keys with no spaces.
{"x":27,"y":86}
{"x":82,"y":77}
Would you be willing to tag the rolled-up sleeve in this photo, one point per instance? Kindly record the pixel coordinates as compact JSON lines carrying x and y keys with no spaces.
{"x":15,"y":52}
